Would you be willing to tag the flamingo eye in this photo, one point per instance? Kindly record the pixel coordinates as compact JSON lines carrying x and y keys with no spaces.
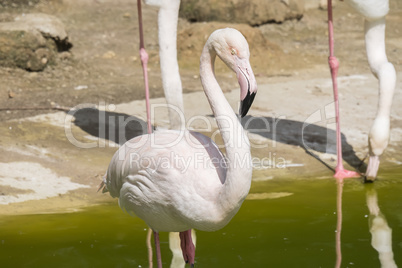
{"x":233,"y":51}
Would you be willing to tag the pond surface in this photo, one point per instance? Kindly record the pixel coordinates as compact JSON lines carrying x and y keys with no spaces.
{"x":295,"y":230}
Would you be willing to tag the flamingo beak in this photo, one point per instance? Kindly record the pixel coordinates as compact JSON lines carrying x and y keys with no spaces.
{"x":372,"y":168}
{"x":248,"y":85}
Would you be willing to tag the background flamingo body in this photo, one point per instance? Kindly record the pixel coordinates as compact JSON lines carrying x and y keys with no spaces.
{"x":374,"y":12}
{"x":168,"y":16}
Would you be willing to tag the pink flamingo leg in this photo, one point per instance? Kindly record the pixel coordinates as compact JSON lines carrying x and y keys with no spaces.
{"x":158,"y":249}
{"x":340,"y":171}
{"x":187,"y":247}
{"x":144,"y":61}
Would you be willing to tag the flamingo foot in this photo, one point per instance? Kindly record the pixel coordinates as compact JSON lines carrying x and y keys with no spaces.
{"x":372,"y":168}
{"x":187,"y":247}
{"x":341,"y":173}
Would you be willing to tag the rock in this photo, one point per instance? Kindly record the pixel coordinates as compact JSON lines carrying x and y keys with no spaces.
{"x":49,"y":26}
{"x":126,"y":15}
{"x":109,"y":55}
{"x":31,"y":42}
{"x":65,"y":55}
{"x":11,"y":94}
{"x":17,"y":3}
{"x":25,"y":49}
{"x":252,"y":12}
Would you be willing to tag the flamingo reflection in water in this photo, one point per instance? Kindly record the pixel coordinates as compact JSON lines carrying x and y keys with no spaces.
{"x":381,"y":233}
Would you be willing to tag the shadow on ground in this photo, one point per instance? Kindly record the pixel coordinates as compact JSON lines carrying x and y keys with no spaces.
{"x":116,"y":127}
{"x":119,"y":128}
{"x":312,"y":138}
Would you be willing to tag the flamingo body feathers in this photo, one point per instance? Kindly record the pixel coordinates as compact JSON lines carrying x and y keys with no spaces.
{"x":176,"y":180}
{"x":173,"y":185}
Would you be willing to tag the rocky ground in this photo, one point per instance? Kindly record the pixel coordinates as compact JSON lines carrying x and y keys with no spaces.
{"x":39,"y":147}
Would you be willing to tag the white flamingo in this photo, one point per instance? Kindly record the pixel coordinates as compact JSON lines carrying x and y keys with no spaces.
{"x":374,"y":12}
{"x":179,"y":180}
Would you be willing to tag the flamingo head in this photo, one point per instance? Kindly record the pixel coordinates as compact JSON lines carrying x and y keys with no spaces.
{"x":232,"y":48}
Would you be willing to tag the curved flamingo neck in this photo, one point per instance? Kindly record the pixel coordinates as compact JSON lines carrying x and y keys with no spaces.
{"x":237,"y":146}
{"x":381,"y":68}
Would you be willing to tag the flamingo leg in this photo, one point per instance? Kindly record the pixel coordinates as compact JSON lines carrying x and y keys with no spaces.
{"x":158,"y":249}
{"x":144,"y":61}
{"x":149,"y":247}
{"x":340,"y":171}
{"x":187,"y":247}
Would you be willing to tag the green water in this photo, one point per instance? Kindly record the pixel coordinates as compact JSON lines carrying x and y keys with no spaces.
{"x":292,"y":231}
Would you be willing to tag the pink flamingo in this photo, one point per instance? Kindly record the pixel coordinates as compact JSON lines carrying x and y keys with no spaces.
{"x":148,"y":175}
{"x":374,"y":12}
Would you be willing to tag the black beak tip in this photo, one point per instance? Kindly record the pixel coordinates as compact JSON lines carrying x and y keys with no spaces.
{"x":246,"y":104}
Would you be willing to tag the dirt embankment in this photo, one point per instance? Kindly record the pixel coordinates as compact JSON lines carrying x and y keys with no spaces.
{"x":105,"y":65}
